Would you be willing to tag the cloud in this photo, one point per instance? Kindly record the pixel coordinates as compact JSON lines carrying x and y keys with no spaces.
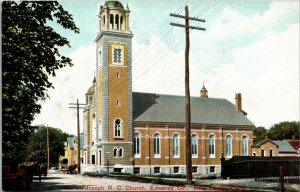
{"x":257,"y":56}
{"x":69,"y":84}
{"x":266,"y":72}
{"x":232,"y":30}
{"x":271,"y":73}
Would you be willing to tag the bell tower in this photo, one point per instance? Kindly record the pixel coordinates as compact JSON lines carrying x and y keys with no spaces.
{"x":114,"y":87}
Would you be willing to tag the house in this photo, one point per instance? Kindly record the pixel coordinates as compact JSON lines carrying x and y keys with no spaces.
{"x":144,"y":133}
{"x":70,"y":157}
{"x":264,"y":148}
{"x":285,"y":149}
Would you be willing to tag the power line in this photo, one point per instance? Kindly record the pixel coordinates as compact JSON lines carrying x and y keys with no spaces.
{"x":187,"y":27}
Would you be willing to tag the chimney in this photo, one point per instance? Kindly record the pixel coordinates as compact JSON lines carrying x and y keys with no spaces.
{"x":238,"y":102}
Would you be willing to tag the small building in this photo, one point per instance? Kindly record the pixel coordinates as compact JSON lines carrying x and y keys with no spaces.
{"x":70,"y":157}
{"x":285,"y":149}
{"x":264,"y":148}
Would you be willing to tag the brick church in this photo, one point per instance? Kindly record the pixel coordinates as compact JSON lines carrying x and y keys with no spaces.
{"x":143,"y":133}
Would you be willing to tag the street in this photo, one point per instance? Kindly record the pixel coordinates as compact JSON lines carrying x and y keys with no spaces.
{"x":74,"y":182}
{"x":67,"y":182}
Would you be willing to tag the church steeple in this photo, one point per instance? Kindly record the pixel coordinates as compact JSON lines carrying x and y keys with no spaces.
{"x":114,"y":83}
{"x":114,"y":17}
{"x":203,"y":92}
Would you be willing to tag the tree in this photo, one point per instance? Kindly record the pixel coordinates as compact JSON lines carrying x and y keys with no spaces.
{"x":30,"y":55}
{"x":260,"y":133}
{"x":284,"y":130}
{"x":37,"y":145}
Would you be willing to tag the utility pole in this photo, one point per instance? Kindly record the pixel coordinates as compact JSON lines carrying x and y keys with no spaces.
{"x":187,"y":26}
{"x":72,"y":105}
{"x":48,"y":149}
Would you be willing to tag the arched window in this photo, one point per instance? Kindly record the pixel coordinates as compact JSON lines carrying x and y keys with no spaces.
{"x":137,"y":145}
{"x":228,"y":146}
{"x":111,"y":21}
{"x":212,"y":146}
{"x":103,"y":25}
{"x":156,"y":145}
{"x":271,"y":153}
{"x":194,"y":146}
{"x":118,"y":128}
{"x":176,"y":145}
{"x":100,"y":59}
{"x":121,"y":152}
{"x":245,"y":145}
{"x":117,"y":21}
{"x":262,"y":153}
{"x":90,"y":100}
{"x":94,"y":126}
{"x":121,"y":23}
{"x":115,"y":152}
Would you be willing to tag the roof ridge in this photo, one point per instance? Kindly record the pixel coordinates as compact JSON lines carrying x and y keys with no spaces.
{"x":165,"y":94}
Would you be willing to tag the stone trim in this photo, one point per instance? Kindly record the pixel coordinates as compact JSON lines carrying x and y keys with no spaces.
{"x":194,"y":126}
{"x":113,"y":34}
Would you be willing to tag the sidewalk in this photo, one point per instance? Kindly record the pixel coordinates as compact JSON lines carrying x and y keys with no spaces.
{"x":240,"y":184}
{"x":248,"y":184}
{"x":68,"y":182}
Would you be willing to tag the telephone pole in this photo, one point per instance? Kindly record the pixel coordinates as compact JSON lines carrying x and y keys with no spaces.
{"x":48,"y":149}
{"x":187,"y":26}
{"x":78,"y":106}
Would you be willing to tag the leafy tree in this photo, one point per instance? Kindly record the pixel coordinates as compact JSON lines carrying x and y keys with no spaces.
{"x":284,"y":130}
{"x":37,"y":145}
{"x":30,"y":54}
{"x":260,"y":133}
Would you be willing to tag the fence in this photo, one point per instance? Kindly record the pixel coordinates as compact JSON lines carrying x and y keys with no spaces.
{"x":260,"y":167}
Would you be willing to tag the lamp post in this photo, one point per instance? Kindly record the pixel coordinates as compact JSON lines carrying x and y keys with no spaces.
{"x":107,"y":164}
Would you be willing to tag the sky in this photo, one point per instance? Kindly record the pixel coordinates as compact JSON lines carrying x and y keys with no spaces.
{"x":248,"y":47}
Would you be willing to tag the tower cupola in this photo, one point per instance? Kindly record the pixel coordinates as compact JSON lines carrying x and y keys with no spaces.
{"x":203,"y":92}
{"x":114,"y":17}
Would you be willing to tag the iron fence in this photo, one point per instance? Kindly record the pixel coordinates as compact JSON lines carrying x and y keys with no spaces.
{"x":260,"y":167}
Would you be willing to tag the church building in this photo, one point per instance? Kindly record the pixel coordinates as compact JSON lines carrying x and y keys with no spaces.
{"x":143,"y":133}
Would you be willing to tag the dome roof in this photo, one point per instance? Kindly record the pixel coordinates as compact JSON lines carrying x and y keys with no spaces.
{"x":116,"y":4}
{"x":91,"y":91}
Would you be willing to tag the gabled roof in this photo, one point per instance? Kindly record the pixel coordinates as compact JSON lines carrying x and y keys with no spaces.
{"x":284,"y":146}
{"x":295,"y":144}
{"x":81,"y":140}
{"x":70,"y":142}
{"x":260,"y":143}
{"x":150,"y":107}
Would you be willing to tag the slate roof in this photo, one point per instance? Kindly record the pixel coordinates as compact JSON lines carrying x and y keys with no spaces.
{"x":81,"y":140}
{"x":151,"y":107}
{"x":259,"y":143}
{"x":70,"y":142}
{"x":284,"y":146}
